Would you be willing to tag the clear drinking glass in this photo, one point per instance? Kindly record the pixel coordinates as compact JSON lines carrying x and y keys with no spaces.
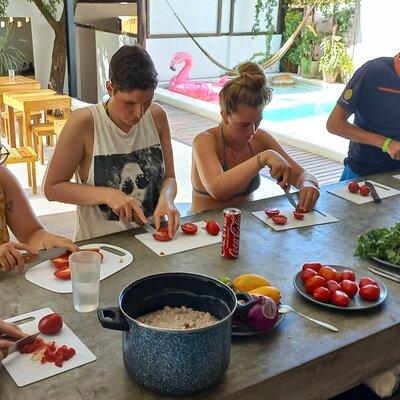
{"x":11,"y":73}
{"x":85,"y":276}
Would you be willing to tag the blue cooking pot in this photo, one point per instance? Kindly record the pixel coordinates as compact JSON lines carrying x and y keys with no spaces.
{"x":171,"y":361}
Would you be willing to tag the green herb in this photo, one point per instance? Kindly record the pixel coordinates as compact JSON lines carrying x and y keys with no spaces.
{"x":382,"y":243}
{"x":226,"y":280}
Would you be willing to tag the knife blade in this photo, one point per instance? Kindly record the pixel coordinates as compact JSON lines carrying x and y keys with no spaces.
{"x":289,"y":196}
{"x":21,"y":342}
{"x":149,"y":228}
{"x":43,"y":255}
{"x":373,"y":191}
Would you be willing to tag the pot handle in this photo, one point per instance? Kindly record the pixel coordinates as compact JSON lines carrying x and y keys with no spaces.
{"x":248,"y":303}
{"x":112,"y":318}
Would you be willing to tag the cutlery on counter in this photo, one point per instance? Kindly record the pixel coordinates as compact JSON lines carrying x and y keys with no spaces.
{"x":373,"y":192}
{"x":283,"y":309}
{"x":386,"y":274}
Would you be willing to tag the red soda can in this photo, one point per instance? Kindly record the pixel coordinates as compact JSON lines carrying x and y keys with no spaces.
{"x":231,"y":233}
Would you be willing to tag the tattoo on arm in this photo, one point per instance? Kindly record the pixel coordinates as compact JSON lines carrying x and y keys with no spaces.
{"x":9,"y":205}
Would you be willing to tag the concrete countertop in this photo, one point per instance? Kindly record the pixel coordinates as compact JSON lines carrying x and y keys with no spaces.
{"x":297,"y":360}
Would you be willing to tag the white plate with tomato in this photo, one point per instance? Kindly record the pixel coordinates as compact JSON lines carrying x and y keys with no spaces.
{"x":339,"y":287}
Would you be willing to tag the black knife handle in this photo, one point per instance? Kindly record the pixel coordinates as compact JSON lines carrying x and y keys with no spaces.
{"x":374,"y":194}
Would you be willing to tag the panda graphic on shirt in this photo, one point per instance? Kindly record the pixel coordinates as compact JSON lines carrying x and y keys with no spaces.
{"x":138,"y":174}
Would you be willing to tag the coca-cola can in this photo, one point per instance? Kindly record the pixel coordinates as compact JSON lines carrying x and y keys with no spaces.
{"x":231,"y":233}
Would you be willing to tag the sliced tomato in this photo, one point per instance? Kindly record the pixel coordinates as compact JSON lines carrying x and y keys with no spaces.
{"x":279,"y":219}
{"x":61,"y":262}
{"x":36,"y":345}
{"x":189,"y":228}
{"x":50,"y":324}
{"x":298,"y":215}
{"x":162,"y":235}
{"x":63,"y":274}
{"x":270,"y":212}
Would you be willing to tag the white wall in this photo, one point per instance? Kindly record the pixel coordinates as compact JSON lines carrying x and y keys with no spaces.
{"x":201,"y":17}
{"x":42,"y":36}
{"x":106,"y":45}
{"x":378,"y":30}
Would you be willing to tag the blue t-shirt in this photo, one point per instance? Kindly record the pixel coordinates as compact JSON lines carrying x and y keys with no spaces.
{"x":373,"y":96}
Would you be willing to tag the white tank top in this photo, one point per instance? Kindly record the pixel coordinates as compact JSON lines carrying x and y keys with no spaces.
{"x":132,"y":162}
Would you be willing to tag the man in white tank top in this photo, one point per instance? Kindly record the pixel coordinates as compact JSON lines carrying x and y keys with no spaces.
{"x":122,"y":153}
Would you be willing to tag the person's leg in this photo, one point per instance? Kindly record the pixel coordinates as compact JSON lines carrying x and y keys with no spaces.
{"x":348,"y":174}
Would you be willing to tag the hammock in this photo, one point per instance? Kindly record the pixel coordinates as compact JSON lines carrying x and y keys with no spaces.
{"x":268,"y":63}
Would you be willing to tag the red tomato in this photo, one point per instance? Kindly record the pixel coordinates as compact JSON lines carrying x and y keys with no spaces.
{"x":213,"y":228}
{"x":353,"y":187}
{"x":279,"y":219}
{"x":364,"y":190}
{"x":322,"y":294}
{"x":349,"y":287}
{"x":314,"y":282}
{"x":329,"y":273}
{"x":50,"y":324}
{"x":340,"y":299}
{"x":62,"y":261}
{"x":270,"y":212}
{"x":333,"y":286}
{"x":312,"y":265}
{"x":189,"y":228}
{"x":298,"y":215}
{"x":367,"y":281}
{"x":36,"y":345}
{"x":307,"y":274}
{"x":349,"y":275}
{"x":162,"y":235}
{"x":63,"y":274}
{"x":370,"y":292}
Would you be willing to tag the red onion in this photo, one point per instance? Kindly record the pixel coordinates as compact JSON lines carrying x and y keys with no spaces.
{"x":263,"y":315}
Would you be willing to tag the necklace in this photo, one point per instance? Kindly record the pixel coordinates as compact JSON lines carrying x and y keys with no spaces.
{"x":238,"y":155}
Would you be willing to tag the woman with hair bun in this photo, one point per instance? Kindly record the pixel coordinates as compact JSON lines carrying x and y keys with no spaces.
{"x":227,"y":159}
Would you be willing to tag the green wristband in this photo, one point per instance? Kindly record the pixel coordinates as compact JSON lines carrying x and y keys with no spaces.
{"x":385,"y":145}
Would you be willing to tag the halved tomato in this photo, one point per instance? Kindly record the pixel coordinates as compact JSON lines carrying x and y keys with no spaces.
{"x":298,"y":215}
{"x":270,"y":212}
{"x":279,"y":219}
{"x":64,"y":274}
{"x":162,"y":235}
{"x":189,"y":228}
{"x":61,"y":262}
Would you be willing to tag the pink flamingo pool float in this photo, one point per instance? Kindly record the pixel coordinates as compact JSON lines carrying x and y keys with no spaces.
{"x":181,"y":83}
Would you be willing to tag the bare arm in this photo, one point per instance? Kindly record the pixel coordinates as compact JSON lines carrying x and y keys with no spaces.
{"x":74,"y":143}
{"x":165,"y":204}
{"x":222,"y":185}
{"x":68,"y":155}
{"x":338,"y":124}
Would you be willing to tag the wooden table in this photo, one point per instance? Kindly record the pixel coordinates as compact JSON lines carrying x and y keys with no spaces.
{"x":17,"y":84}
{"x":27,"y":102}
{"x":297,"y":360}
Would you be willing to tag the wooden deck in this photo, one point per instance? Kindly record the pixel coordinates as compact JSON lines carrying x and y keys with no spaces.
{"x":186,"y":125}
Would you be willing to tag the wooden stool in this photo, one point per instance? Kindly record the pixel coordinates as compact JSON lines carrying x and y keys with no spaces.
{"x":35,"y":119}
{"x":39,"y":131}
{"x":25,"y":155}
{"x":59,"y":121}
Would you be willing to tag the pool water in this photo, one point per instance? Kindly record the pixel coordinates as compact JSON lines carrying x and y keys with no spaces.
{"x":315,"y":102}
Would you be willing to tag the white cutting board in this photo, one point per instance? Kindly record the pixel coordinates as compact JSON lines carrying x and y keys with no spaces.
{"x":24,"y":371}
{"x":43,"y":273}
{"x":310,"y":218}
{"x":382,"y":190}
{"x":180,"y":242}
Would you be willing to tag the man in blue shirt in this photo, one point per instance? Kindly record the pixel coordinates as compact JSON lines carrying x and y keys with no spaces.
{"x":373,"y":96}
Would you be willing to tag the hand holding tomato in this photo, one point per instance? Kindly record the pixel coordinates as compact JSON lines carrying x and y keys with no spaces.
{"x":168,"y":209}
{"x":308,"y":196}
{"x":11,"y":330}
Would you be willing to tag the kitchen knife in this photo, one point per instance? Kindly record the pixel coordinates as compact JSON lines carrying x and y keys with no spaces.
{"x":289,"y":196}
{"x":373,"y":192}
{"x":21,"y":342}
{"x":149,"y":228}
{"x":385,"y":274}
{"x":44,"y":255}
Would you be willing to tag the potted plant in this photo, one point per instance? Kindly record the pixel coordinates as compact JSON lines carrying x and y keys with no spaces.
{"x":307,"y":48}
{"x":11,"y":58}
{"x":334,"y":59}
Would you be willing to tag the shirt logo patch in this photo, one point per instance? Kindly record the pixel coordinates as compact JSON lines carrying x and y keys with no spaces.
{"x":348,"y":94}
